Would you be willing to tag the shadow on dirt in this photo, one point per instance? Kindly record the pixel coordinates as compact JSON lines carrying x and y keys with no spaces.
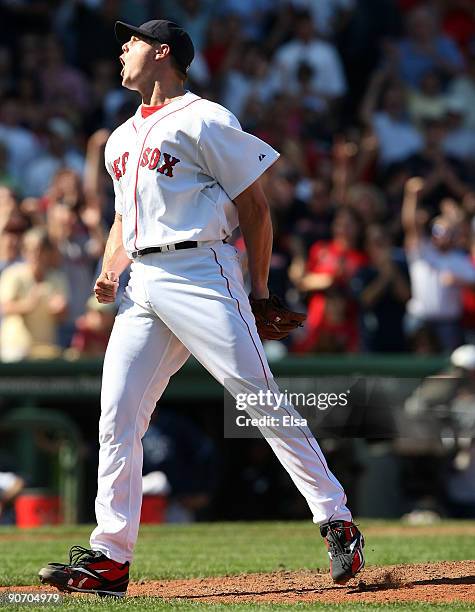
{"x":391,"y":580}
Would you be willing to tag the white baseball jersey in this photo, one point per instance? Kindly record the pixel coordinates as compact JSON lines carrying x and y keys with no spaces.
{"x":177,"y":171}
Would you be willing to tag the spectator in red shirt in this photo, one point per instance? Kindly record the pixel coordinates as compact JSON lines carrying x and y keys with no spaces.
{"x":221,"y":47}
{"x":459,"y":21}
{"x":332,"y":314}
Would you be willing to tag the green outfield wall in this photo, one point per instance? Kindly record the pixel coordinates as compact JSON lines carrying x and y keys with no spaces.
{"x":82,"y":379}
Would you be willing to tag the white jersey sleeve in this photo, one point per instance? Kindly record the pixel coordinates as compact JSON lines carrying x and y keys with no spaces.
{"x":231,"y":156}
{"x":119,"y":206}
{"x":118,"y":194}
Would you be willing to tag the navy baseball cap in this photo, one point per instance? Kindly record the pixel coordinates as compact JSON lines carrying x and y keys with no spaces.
{"x":164,"y":31}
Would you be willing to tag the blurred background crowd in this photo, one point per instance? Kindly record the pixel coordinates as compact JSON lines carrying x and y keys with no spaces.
{"x":370,"y":103}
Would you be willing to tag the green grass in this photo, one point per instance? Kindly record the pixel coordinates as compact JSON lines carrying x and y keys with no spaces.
{"x":224,"y":548}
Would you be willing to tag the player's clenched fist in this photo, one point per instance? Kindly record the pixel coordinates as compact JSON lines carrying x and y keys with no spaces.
{"x":106,"y":287}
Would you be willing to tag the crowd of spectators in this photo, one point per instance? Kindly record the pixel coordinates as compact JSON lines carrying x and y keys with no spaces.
{"x":371,"y":104}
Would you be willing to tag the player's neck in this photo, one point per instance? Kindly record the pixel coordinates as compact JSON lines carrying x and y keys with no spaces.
{"x":162,"y":93}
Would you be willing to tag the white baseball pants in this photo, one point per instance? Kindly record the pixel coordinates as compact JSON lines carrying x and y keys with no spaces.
{"x":177,"y":303}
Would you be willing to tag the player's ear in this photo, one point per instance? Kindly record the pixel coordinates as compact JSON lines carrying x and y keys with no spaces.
{"x":162,"y":51}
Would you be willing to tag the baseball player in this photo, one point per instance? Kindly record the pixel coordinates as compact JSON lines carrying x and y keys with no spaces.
{"x":185,"y":176}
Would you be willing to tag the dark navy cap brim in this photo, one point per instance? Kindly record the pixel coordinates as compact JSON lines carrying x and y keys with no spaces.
{"x":123,"y":32}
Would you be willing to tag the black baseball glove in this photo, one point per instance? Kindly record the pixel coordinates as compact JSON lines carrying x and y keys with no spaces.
{"x":273,"y":319}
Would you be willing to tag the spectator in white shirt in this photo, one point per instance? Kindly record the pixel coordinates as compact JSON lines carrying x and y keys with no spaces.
{"x":328,"y":76}
{"x":438,"y":272}
{"x":253,"y":76}
{"x":398,"y":138}
{"x":60,"y":154}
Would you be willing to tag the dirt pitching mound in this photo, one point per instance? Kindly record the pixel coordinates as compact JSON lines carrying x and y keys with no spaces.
{"x":429,"y":582}
{"x":434,"y":582}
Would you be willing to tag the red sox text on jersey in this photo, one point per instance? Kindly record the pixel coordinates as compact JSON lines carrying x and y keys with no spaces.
{"x":177,"y":171}
{"x":151,"y":158}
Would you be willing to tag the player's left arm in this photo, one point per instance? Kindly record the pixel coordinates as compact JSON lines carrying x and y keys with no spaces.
{"x":256,"y":228}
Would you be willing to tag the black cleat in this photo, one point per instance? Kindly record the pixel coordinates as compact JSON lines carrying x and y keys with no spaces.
{"x":345,"y":544}
{"x":88,"y":571}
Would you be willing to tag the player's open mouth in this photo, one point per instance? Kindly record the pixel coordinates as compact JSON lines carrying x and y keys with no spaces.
{"x":123,"y":66}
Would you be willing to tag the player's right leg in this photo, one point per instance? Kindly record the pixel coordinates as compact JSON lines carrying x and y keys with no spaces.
{"x":141,"y":356}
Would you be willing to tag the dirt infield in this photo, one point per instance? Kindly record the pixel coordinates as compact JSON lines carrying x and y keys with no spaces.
{"x":429,"y":582}
{"x":437,"y":582}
